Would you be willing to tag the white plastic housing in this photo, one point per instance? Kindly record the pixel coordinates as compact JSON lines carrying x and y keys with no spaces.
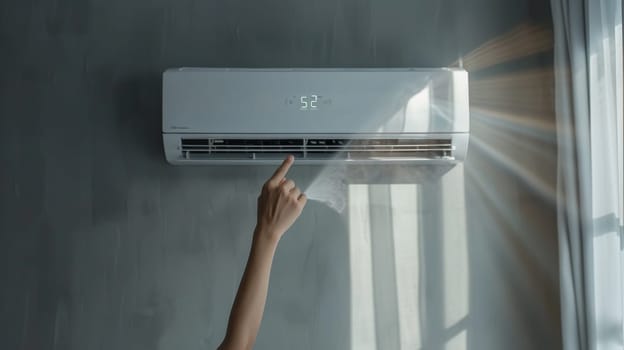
{"x":242,"y":116}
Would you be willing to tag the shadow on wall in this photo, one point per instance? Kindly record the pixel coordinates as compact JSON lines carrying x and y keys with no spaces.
{"x":138,"y":103}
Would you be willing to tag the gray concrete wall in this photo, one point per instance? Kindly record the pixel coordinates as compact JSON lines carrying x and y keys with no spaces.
{"x":104,"y":246}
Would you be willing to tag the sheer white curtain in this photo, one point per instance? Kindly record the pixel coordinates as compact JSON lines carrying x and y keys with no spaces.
{"x":588,"y":64}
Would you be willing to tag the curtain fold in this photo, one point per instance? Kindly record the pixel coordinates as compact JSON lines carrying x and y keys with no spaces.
{"x":588,"y":83}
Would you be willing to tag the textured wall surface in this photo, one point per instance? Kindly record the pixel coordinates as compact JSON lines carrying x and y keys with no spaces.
{"x":104,"y":246}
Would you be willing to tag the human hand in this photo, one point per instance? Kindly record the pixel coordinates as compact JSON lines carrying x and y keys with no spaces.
{"x":280,"y":203}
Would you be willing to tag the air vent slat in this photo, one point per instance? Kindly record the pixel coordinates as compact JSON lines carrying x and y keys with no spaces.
{"x":329,"y":147}
{"x":316,"y":148}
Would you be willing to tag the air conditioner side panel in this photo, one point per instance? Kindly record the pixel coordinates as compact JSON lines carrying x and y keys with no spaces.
{"x":171,"y":143}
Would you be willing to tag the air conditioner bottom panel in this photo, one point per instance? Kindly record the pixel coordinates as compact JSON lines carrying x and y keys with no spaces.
{"x":223,"y":149}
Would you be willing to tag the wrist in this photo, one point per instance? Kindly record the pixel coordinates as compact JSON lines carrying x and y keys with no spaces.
{"x":265,"y":237}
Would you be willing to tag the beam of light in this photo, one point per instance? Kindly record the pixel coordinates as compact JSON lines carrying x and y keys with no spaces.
{"x":384,"y":269}
{"x":461,"y":100}
{"x":619,"y":85}
{"x":523,"y":41}
{"x":454,"y":250}
{"x":535,"y":263}
{"x":528,"y":93}
{"x":363,"y":329}
{"x":525,"y":157}
{"x":458,"y":342}
{"x":545,"y":190}
{"x":520,"y":226}
{"x":505,"y":108}
{"x":443,"y":110}
{"x":417,"y":113}
{"x":521,"y":142}
{"x":541,"y":130}
{"x":406,"y":247}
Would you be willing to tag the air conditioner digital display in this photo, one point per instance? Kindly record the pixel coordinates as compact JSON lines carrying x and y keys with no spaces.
{"x":309,"y":102}
{"x":312,"y":102}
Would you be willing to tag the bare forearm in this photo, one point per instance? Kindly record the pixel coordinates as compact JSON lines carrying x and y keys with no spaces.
{"x":280,"y":203}
{"x":250,"y":300}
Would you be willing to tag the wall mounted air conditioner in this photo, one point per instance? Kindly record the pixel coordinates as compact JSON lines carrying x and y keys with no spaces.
{"x":257,"y":116}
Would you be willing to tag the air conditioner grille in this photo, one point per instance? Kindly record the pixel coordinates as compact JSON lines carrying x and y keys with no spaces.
{"x":317,"y":148}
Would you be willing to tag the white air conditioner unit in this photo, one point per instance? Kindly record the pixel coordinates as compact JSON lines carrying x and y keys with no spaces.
{"x":258,"y":116}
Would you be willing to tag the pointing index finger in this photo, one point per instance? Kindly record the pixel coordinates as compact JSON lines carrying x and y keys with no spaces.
{"x":280,"y":173}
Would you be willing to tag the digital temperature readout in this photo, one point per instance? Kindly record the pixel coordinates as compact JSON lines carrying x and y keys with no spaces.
{"x":308,"y":102}
{"x":312,"y":102}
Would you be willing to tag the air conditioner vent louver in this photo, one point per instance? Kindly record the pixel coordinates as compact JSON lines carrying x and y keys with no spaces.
{"x":315,"y":149}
